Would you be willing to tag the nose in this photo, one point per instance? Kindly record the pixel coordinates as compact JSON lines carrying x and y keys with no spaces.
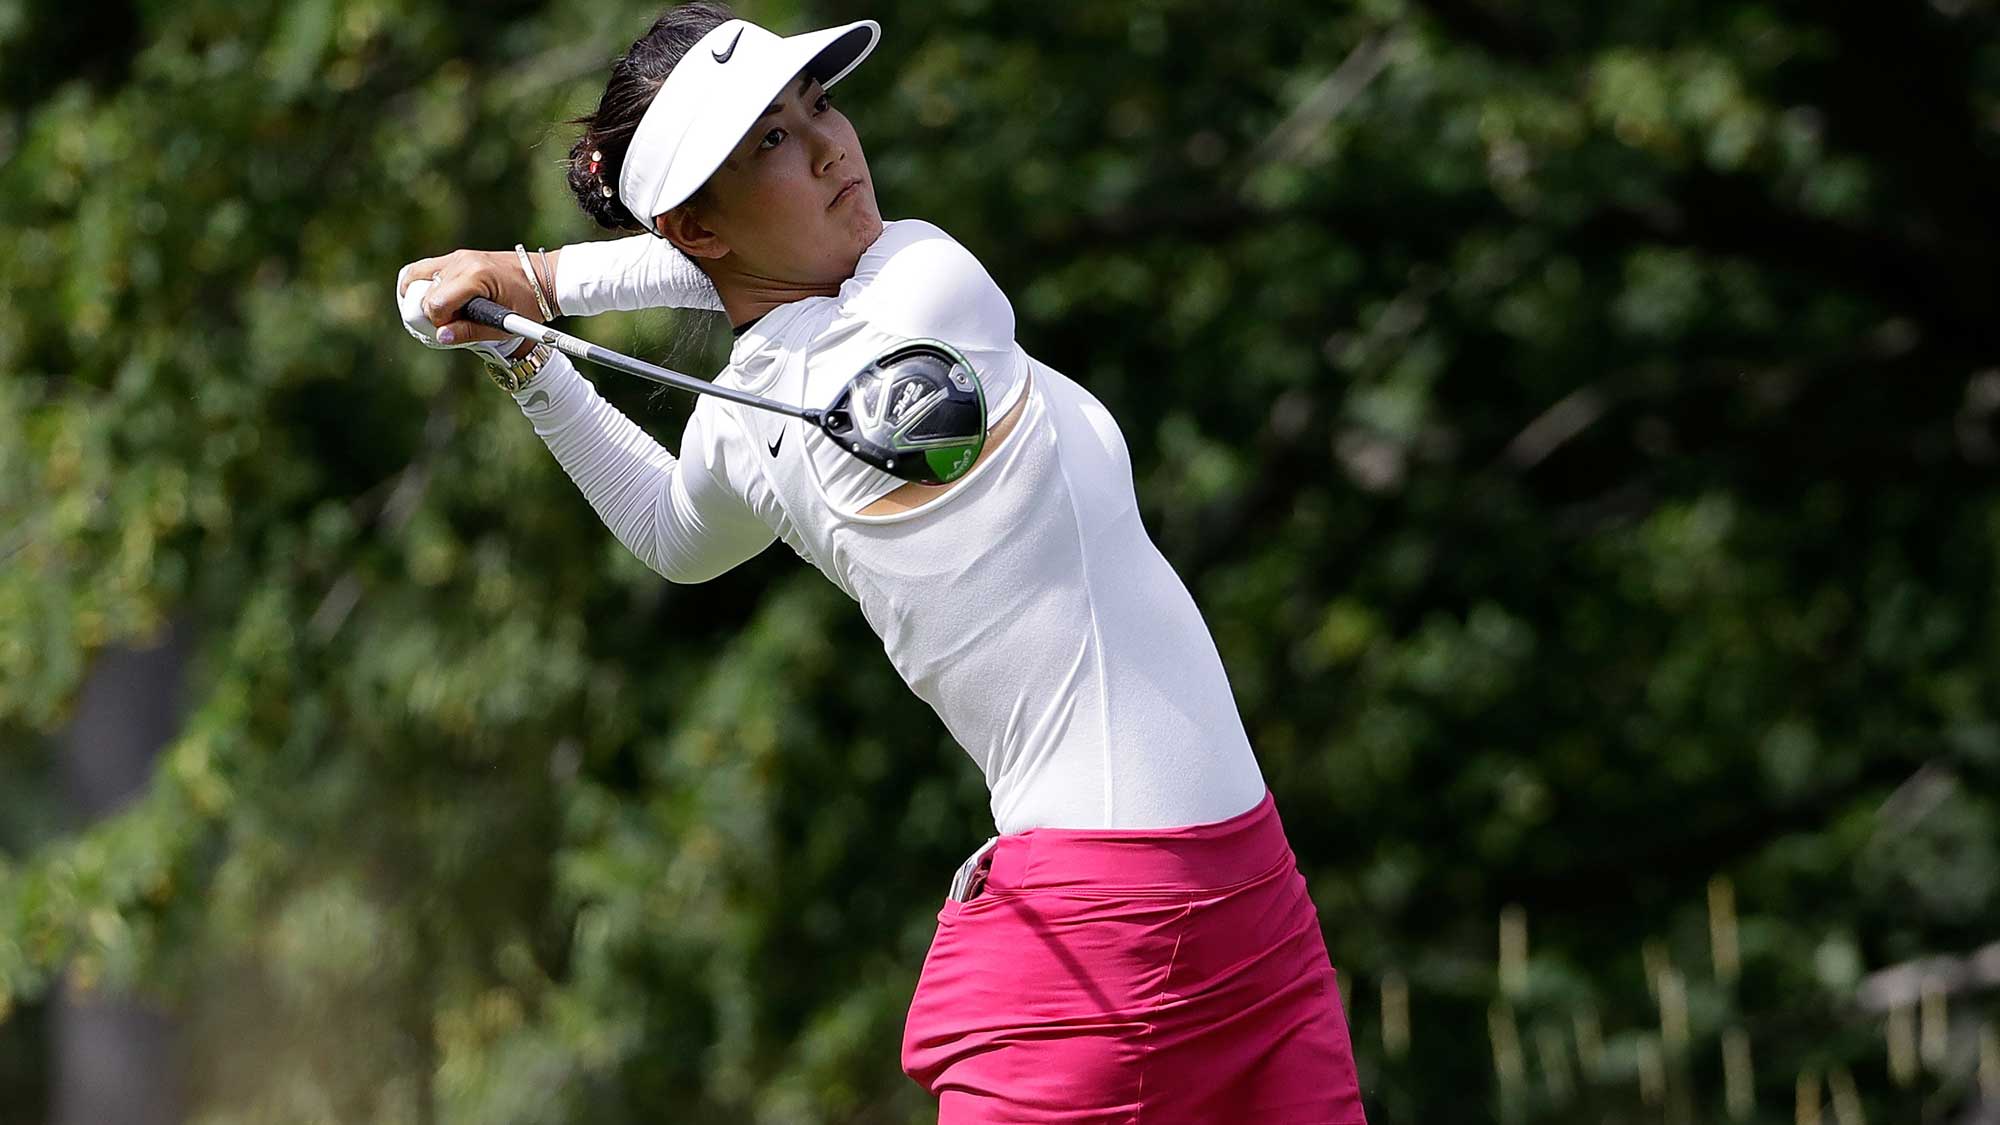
{"x":828,"y":152}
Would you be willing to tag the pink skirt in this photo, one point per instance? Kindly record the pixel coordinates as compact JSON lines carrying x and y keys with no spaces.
{"x":1134,"y":977}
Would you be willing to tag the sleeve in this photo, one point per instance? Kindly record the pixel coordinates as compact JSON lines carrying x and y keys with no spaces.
{"x":640,"y":272}
{"x":688,"y":518}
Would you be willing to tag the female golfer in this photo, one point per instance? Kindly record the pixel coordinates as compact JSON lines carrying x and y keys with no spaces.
{"x":1137,"y":943}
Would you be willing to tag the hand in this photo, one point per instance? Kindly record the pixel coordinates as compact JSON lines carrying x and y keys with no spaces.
{"x":464,"y":274}
{"x":410,"y":302}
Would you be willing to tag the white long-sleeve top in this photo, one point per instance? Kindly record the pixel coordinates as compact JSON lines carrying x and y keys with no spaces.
{"x":1027,"y":605}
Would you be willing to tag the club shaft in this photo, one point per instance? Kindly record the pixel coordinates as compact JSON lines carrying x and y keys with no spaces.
{"x":495,"y":315}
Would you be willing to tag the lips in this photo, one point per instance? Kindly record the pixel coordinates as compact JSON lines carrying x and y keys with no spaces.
{"x":843,"y":193}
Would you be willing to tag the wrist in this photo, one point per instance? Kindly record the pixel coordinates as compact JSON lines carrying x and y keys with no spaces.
{"x":514,"y":375}
{"x":545,"y":272}
{"x":534,"y":278}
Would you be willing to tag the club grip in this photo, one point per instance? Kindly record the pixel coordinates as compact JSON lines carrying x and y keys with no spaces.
{"x":492,"y":314}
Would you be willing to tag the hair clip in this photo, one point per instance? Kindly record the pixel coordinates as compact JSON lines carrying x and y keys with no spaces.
{"x":596,"y":158}
{"x":607,"y":191}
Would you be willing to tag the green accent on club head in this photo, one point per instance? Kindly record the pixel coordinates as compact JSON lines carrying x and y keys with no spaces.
{"x":950,"y":462}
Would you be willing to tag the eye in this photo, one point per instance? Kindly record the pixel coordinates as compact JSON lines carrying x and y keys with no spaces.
{"x":824,"y":103}
{"x":772,"y":139}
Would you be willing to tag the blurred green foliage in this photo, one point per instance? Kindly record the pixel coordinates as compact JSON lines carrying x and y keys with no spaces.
{"x":1576,"y":422}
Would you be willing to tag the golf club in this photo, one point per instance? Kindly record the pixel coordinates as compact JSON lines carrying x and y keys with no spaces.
{"x":917,"y":411}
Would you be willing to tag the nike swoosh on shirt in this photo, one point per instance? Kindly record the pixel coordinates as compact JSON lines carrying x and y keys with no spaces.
{"x":723,"y":56}
{"x":539,"y":398}
{"x":779,"y":442}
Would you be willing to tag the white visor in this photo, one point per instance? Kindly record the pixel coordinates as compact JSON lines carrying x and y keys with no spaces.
{"x":712,"y":97}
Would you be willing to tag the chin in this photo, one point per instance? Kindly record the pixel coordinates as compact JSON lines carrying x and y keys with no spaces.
{"x":862,"y":234}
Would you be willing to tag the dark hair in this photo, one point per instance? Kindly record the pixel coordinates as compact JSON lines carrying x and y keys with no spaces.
{"x":635,"y":78}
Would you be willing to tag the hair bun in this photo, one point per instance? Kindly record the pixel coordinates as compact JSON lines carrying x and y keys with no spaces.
{"x":592,"y":176}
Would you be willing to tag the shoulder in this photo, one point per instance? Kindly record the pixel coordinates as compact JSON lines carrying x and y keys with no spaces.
{"x":903,"y":234}
{"x":715,"y":432}
{"x":920,"y":281}
{"x":909,"y":251}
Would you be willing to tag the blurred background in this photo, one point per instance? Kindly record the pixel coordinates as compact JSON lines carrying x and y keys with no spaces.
{"x":1576,"y":422}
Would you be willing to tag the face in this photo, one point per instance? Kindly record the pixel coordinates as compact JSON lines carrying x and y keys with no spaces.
{"x":780,"y":208}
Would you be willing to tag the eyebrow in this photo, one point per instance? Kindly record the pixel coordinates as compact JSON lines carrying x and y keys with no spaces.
{"x":804,"y":81}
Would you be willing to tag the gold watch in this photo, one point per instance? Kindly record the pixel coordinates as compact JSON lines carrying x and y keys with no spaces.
{"x":514,"y":376}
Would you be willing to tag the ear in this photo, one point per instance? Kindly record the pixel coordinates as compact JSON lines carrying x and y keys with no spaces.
{"x":682,"y":228}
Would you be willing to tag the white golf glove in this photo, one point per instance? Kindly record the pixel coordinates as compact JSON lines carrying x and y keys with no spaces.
{"x":411,"y":306}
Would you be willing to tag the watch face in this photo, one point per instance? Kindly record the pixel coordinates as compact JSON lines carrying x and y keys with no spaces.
{"x":513,"y":374}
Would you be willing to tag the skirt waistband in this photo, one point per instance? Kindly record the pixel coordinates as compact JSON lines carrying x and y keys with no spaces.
{"x":1189,"y":857}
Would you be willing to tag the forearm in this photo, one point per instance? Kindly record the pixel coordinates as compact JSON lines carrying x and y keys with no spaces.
{"x":640,"y":272}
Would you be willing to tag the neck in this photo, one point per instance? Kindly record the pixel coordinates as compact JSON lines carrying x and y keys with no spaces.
{"x":747,"y":296}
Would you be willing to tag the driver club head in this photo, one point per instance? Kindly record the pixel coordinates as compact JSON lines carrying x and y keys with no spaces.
{"x":917,"y":411}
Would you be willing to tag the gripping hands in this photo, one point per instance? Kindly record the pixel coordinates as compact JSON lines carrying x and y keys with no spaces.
{"x":410,"y":304}
{"x":431,"y":294}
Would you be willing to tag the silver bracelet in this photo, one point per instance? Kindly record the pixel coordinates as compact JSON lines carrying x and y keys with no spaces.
{"x":551,"y":270}
{"x":535,"y":283}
